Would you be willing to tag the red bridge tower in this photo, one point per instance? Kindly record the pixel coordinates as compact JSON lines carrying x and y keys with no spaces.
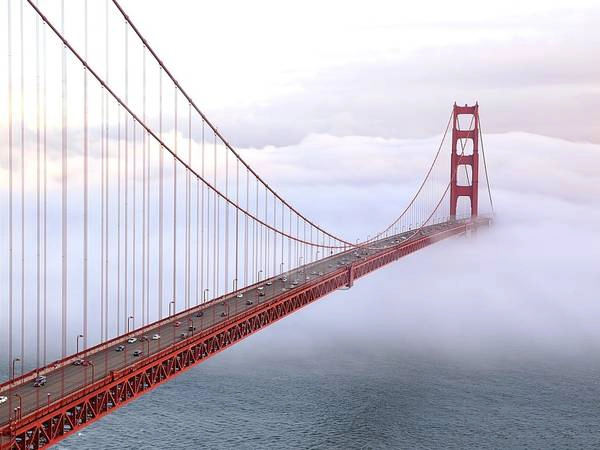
{"x":460,"y":141}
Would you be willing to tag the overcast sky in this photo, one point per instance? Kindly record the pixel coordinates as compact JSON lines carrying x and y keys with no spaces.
{"x":271,"y":72}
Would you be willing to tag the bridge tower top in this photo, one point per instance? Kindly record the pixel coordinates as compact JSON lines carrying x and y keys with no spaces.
{"x":465,"y":152}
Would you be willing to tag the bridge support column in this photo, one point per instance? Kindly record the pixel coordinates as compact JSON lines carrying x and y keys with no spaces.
{"x":460,"y":141}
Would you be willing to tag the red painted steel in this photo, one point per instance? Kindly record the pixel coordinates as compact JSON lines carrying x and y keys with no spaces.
{"x":458,"y":159}
{"x":52,"y":423}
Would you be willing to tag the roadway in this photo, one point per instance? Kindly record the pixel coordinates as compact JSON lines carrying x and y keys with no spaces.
{"x":68,"y":378}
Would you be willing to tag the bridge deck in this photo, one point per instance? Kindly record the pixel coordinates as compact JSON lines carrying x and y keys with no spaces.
{"x":65,"y":381}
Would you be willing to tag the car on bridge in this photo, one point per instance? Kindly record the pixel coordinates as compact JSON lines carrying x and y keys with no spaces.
{"x":155,"y":337}
{"x":3,"y":399}
{"x":137,"y":353}
{"x":199,"y":313}
{"x":39,"y":381}
{"x":132,"y":340}
{"x":119,"y":348}
{"x":178,"y":323}
{"x":143,"y":338}
{"x":261,"y":294}
{"x":240,"y":295}
{"x":249,"y":302}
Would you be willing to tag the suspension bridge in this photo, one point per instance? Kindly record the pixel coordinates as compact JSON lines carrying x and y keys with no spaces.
{"x":136,"y":241}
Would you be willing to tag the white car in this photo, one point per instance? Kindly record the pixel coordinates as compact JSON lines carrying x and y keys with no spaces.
{"x":155,"y":337}
{"x":269,"y":283}
{"x":240,"y":295}
{"x":132,"y":340}
{"x":260,"y":288}
{"x":3,"y":399}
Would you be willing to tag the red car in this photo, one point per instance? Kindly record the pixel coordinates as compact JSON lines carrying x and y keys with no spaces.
{"x":177,"y":323}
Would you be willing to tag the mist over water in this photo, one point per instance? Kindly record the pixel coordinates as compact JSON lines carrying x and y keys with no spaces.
{"x":482,"y":342}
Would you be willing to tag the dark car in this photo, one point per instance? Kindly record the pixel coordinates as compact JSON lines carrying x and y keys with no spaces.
{"x":199,"y":313}
{"x":119,"y":348}
{"x":137,"y":353}
{"x":191,"y":328}
{"x":261,"y":294}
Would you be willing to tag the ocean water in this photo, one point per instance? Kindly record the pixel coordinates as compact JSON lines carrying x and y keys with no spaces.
{"x":380,"y":400}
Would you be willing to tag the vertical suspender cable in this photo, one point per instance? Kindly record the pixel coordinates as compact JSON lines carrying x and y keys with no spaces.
{"x":246,"y":227}
{"x":22,"y":192}
{"x":226,"y":274}
{"x":45,"y":314}
{"x":144,"y":223}
{"x":133,"y":229}
{"x":10,"y":190}
{"x":188,"y":212}
{"x":275,"y":236}
{"x":85,"y":182}
{"x":147,"y":206}
{"x":255,"y":228}
{"x":37,"y":190}
{"x":202,"y":246}
{"x":104,"y":137}
{"x":160,"y":201}
{"x":64,"y":186}
{"x":215,"y":206}
{"x":237,"y":217}
{"x":198,"y":243}
{"x":175,"y":211}
{"x":267,"y":240}
{"x":119,"y":198}
{"x":126,"y":256}
{"x":106,"y":222}
{"x":282,"y":238}
{"x":208,"y":229}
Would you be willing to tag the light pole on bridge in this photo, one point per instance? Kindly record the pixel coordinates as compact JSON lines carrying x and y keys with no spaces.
{"x":18,"y":358}
{"x":93,"y":367}
{"x":130,"y":318}
{"x":78,"y":337}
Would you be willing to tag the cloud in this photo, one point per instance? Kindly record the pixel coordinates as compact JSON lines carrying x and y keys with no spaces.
{"x":527,"y":286}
